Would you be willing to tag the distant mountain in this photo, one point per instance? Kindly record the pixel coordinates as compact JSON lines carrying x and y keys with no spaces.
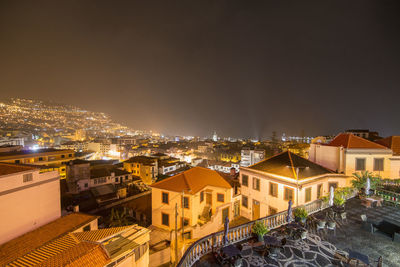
{"x":44,"y":116}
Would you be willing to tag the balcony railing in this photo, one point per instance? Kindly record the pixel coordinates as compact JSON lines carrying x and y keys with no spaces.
{"x":236,"y":234}
{"x":389,"y":196}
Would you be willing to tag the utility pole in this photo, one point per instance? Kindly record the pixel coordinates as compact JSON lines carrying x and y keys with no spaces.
{"x":176,"y":233}
{"x":183,"y":217}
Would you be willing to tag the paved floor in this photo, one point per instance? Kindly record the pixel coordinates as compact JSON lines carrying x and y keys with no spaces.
{"x":320,"y":246}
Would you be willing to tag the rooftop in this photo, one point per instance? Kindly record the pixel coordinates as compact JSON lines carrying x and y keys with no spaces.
{"x":392,"y":142}
{"x":32,"y":240}
{"x":38,"y":152}
{"x":320,"y":247}
{"x":287,"y":163}
{"x":348,"y":140}
{"x":141,"y":159}
{"x":193,"y":180}
{"x":106,"y":171}
{"x":10,"y":168}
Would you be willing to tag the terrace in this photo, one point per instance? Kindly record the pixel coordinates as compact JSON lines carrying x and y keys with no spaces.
{"x":319,"y":248}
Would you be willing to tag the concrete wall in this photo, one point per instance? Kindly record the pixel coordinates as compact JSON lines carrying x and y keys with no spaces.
{"x":369,"y":155}
{"x":27,"y":206}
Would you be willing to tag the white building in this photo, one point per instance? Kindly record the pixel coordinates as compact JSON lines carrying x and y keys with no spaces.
{"x":11,"y":141}
{"x":251,"y":156}
{"x":29,"y":199}
{"x":348,"y":154}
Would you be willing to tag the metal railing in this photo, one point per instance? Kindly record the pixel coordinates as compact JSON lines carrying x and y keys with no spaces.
{"x":389,"y":196}
{"x":236,"y":234}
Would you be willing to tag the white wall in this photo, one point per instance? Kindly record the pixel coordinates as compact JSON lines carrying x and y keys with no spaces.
{"x":27,"y":206}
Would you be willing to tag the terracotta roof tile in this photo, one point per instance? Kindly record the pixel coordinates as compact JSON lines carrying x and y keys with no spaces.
{"x":392,"y":142}
{"x":348,"y":140}
{"x":100,"y":234}
{"x":30,"y":241}
{"x":10,"y":168}
{"x":286,"y":164}
{"x":193,"y":180}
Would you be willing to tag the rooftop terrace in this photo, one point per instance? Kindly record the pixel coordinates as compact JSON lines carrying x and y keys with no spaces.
{"x":320,"y":246}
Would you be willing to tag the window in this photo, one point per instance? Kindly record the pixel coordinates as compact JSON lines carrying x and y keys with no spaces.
{"x":17,"y":161}
{"x":273,"y":189}
{"x":245,"y":180}
{"x":272,"y":211}
{"x":360,"y":164}
{"x":164,"y":197}
{"x":165,"y":219}
{"x":319,"y":191}
{"x":289,"y":192}
{"x":40,"y":158}
{"x":116,"y":180}
{"x":378,"y":164}
{"x":186,"y":202}
{"x":187,"y":235}
{"x":256,"y":184}
{"x":70,"y":155}
{"x":308,"y":194}
{"x":86,"y":228}
{"x":86,"y":185}
{"x":62,"y":156}
{"x":220,"y":197}
{"x":27,"y":177}
{"x":245,"y":201}
{"x":185,"y":222}
{"x":201,"y":196}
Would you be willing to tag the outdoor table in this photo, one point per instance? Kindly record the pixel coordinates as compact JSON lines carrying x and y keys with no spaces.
{"x":376,"y":200}
{"x":231,"y":251}
{"x":294,"y":225}
{"x":358,"y":256}
{"x":271,"y":241}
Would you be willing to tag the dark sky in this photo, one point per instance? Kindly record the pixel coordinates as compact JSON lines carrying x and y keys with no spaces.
{"x":242,"y":68}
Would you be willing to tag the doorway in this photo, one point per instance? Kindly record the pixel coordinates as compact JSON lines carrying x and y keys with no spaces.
{"x":256,"y":210}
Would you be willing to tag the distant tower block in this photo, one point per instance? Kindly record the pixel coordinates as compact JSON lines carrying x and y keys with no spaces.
{"x":215,"y":137}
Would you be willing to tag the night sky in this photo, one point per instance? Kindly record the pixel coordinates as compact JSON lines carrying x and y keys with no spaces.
{"x":242,"y":68}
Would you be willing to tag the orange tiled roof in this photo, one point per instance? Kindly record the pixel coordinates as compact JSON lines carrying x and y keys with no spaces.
{"x":348,"y":140}
{"x":30,"y":241}
{"x":10,"y":168}
{"x":100,"y":234}
{"x":392,"y":142}
{"x":192,"y":181}
{"x":82,"y":254}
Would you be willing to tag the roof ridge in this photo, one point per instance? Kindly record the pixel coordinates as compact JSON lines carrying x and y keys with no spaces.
{"x":292,"y":166}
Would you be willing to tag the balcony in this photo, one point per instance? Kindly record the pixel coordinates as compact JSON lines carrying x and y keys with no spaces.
{"x":319,"y":248}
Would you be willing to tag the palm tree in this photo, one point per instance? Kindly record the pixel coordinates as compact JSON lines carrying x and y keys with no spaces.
{"x":360,"y":180}
{"x":118,"y":219}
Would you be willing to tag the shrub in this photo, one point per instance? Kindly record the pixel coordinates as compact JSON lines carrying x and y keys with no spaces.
{"x":260,"y":229}
{"x":300,"y":213}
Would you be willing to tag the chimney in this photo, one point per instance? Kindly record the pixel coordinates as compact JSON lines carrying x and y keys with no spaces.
{"x":76,"y":208}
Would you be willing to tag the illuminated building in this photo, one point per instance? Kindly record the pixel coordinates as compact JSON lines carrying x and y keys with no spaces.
{"x":75,"y":240}
{"x":251,"y":156}
{"x":29,"y":198}
{"x":215,"y":136}
{"x":144,"y":167}
{"x":204,"y":196}
{"x":267,"y":186}
{"x":11,"y":141}
{"x":348,"y":153}
{"x":80,"y":135}
{"x":52,"y":158}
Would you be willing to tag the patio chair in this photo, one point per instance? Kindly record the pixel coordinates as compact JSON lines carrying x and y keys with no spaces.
{"x":321,"y":225}
{"x":274,"y":252}
{"x":246,"y":251}
{"x":331,"y":226}
{"x":343,"y":216}
{"x":366,"y":224}
{"x":238,"y":262}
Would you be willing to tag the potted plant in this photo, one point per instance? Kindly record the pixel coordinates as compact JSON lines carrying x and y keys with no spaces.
{"x":300,"y":214}
{"x":260,"y":230}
